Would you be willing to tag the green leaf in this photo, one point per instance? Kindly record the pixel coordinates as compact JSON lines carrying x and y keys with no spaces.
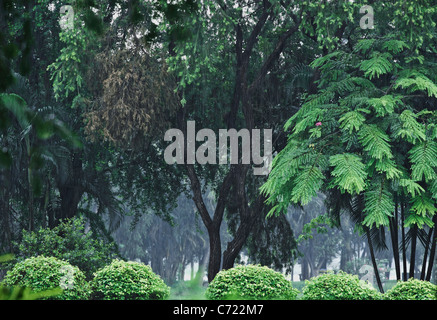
{"x":424,"y":161}
{"x":395,"y":46}
{"x":379,"y":64}
{"x":420,"y":221}
{"x":351,"y":121}
{"x":411,"y":186}
{"x":384,"y":105}
{"x":379,"y":205}
{"x":307,"y":183}
{"x":375,"y":141}
{"x":423,"y":205}
{"x":417,"y":82}
{"x":349,"y":173}
{"x":410,"y":128}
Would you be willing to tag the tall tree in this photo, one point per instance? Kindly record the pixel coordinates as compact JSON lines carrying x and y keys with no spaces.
{"x":367,"y":137}
{"x":253,"y":35}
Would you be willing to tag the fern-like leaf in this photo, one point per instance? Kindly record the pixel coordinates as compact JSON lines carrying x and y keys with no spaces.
{"x":379,"y":206}
{"x":379,"y":64}
{"x":375,"y":141}
{"x":307,"y":183}
{"x":349,"y":172}
{"x":351,"y":121}
{"x":417,"y":82}
{"x":424,"y":161}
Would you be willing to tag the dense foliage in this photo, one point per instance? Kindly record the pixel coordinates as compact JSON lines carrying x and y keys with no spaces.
{"x":367,"y":138}
{"x":413,"y":289}
{"x":250,"y":282}
{"x":129,"y":280}
{"x":340,"y":286}
{"x":351,"y":109}
{"x":68,"y":241}
{"x":43,"y":274}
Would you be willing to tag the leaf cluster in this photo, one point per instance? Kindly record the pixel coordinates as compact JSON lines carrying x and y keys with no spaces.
{"x":250,"y":282}
{"x":128,"y":280}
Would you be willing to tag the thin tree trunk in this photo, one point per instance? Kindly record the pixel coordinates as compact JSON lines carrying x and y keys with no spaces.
{"x":413,"y":250}
{"x":425,"y":255}
{"x":394,"y":241}
{"x":432,"y":251}
{"x":375,"y":266}
{"x":404,"y":249}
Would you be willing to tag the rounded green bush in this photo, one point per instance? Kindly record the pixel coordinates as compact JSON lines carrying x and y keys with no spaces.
{"x":340,"y":286}
{"x":128,"y":280}
{"x":250,"y":282}
{"x":43,"y":274}
{"x":412,"y":289}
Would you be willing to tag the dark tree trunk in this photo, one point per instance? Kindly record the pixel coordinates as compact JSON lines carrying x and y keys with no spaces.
{"x":375,"y":266}
{"x":248,"y":216}
{"x":71,"y":190}
{"x":432,"y":260}
{"x":215,"y":250}
{"x":413,"y":251}
{"x":394,"y":241}
{"x":425,"y":256}
{"x":404,"y":249}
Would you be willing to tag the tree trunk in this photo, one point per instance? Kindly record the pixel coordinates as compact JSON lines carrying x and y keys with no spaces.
{"x":234,"y":247}
{"x":71,"y":190}
{"x":404,"y":250}
{"x":413,"y":250}
{"x":395,"y":241}
{"x":347,"y":251}
{"x":432,"y":251}
{"x":304,"y":269}
{"x":375,"y":266}
{"x":215,"y":250}
{"x":425,"y":256}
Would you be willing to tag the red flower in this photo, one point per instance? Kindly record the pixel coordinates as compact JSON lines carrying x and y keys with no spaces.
{"x":318,"y":124}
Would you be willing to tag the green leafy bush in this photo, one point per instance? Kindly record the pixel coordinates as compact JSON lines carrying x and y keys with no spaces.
{"x":340,"y":286}
{"x":49,"y":275}
{"x":412,"y":289}
{"x":129,"y":280}
{"x":69,"y":241}
{"x":250,"y":282}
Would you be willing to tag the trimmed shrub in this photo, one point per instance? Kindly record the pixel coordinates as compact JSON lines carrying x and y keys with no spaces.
{"x":128,"y":280}
{"x":250,"y":282}
{"x":340,"y":286}
{"x":43,"y":274}
{"x":412,"y":289}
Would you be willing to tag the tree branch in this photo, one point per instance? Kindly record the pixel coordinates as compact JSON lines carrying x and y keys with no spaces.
{"x":197,"y":196}
{"x":274,"y":55}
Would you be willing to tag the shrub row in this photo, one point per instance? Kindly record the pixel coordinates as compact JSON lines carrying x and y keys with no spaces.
{"x":123,"y":280}
{"x":119,"y":280}
{"x":256,"y":282}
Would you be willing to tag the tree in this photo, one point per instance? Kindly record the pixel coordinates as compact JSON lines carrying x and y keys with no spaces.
{"x":48,"y":173}
{"x":367,"y":137}
{"x":201,"y":43}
